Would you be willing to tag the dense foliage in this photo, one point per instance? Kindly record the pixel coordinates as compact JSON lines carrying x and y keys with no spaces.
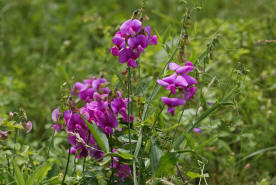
{"x":188,"y":100}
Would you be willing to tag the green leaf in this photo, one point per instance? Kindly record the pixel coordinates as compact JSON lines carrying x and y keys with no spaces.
{"x":167,"y":164}
{"x":224,"y":100}
{"x":258,"y":152}
{"x":190,"y":141}
{"x":39,"y":174}
{"x":18,"y":174}
{"x":139,"y":143}
{"x":193,"y":175}
{"x":155,"y":155}
{"x":136,"y":152}
{"x":207,"y":142}
{"x":123,"y":155}
{"x":98,"y":135}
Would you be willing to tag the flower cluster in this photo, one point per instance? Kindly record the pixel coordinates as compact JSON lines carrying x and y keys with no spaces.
{"x":101,"y":107}
{"x":178,"y":81}
{"x":131,"y":40}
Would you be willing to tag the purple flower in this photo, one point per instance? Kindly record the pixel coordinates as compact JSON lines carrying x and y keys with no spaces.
{"x":181,"y":81}
{"x":119,"y":40}
{"x":139,"y":41}
{"x":181,"y":69}
{"x":198,"y":130}
{"x":100,"y":108}
{"x":123,"y":170}
{"x":28,"y":127}
{"x":131,"y":27}
{"x":115,"y":51}
{"x":119,"y":105}
{"x":97,"y":153}
{"x":129,"y":56}
{"x":55,"y":115}
{"x":189,"y":93}
{"x":11,"y":115}
{"x":172,"y":82}
{"x":73,"y":150}
{"x":3,"y":135}
{"x":106,"y":121}
{"x":57,"y":127}
{"x":67,"y":116}
{"x":173,"y":102}
{"x":86,"y":90}
{"x":152,"y":40}
{"x":190,"y":80}
{"x":131,"y":40}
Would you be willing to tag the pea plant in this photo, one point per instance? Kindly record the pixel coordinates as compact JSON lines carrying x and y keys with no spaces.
{"x":131,"y":132}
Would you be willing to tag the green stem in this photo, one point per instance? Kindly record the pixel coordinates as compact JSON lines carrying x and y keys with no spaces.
{"x":75,"y":165}
{"x":161,"y":110}
{"x":177,"y":125}
{"x":14,"y":152}
{"x":51,"y":142}
{"x":144,"y":116}
{"x":128,"y":106}
{"x":112,"y":172}
{"x":66,"y":169}
{"x":84,"y":160}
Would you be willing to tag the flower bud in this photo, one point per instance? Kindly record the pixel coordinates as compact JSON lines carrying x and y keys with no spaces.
{"x":11,"y":115}
{"x":28,"y":127}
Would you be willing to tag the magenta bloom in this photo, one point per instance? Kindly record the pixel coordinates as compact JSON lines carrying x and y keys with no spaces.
{"x":198,"y":130}
{"x":178,"y":81}
{"x":173,"y":102}
{"x":55,"y":116}
{"x":131,"y":27}
{"x":3,"y":135}
{"x":152,"y":40}
{"x":119,"y":40}
{"x":181,"y":69}
{"x":106,"y":121}
{"x":97,"y":107}
{"x":173,"y":82}
{"x":119,"y":106}
{"x":28,"y":127}
{"x":130,"y":41}
{"x":86,"y":90}
{"x":129,"y":56}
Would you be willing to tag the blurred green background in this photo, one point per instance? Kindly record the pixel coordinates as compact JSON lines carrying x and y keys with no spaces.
{"x":44,"y":43}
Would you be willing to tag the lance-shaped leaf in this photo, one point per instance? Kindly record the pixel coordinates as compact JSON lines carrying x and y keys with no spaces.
{"x":155,"y":155}
{"x":98,"y":135}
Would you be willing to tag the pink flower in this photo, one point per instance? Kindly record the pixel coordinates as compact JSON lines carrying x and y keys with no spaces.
{"x":119,"y":105}
{"x":173,"y":102}
{"x":198,"y":130}
{"x":181,"y":69}
{"x":247,"y":166}
{"x":28,"y":127}
{"x":130,"y":41}
{"x":178,"y":81}
{"x":55,"y":116}
{"x":172,"y":82}
{"x":3,"y":135}
{"x":131,"y":27}
{"x":152,"y":40}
